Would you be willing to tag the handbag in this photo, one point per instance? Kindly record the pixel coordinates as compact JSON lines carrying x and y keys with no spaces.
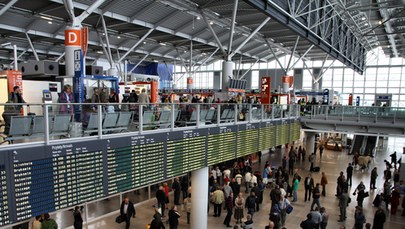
{"x":366,"y":194}
{"x":289,"y":209}
{"x":119,"y":219}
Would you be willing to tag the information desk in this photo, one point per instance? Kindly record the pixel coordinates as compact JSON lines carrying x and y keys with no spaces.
{"x":40,"y":179}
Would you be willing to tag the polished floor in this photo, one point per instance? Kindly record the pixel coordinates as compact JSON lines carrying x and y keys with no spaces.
{"x":332,"y":162}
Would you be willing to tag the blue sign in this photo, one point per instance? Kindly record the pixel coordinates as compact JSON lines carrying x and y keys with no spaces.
{"x":358,"y":101}
{"x":325,"y":96}
{"x":78,"y":85}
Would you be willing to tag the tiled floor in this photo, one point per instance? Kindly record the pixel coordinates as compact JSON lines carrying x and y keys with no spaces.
{"x":332,"y":163}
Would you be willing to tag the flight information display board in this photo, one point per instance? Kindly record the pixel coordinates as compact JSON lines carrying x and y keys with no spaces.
{"x":248,"y":139}
{"x":266,"y":133}
{"x":185,"y":151}
{"x":295,"y":130}
{"x":221,"y":144}
{"x":4,"y":216}
{"x":40,"y":179}
{"x":129,"y":161}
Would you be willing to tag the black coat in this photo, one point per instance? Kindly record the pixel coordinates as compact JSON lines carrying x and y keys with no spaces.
{"x":160,"y":196}
{"x":131,"y":209}
{"x":311,"y":183}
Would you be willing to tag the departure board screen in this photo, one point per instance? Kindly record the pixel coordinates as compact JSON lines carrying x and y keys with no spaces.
{"x":248,"y":139}
{"x":266,"y":132}
{"x":130,"y":161}
{"x":185,"y":151}
{"x":4,"y":215}
{"x":39,"y":179}
{"x":221,"y":144}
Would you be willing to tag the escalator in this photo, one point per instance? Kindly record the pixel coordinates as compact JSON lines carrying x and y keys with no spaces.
{"x":370,"y":145}
{"x":357,"y":143}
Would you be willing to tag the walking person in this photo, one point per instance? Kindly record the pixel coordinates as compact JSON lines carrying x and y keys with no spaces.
{"x":218,"y":198}
{"x":248,"y":178}
{"x":127,"y":211}
{"x":284,"y":203}
{"x":187,"y":207}
{"x":229,"y":204}
{"x":379,"y":218}
{"x":177,"y":190}
{"x":312,"y":161}
{"x":324,"y":182}
{"x":157,"y":221}
{"x":161,"y":200}
{"x":78,"y":220}
{"x":309,"y":187}
{"x":321,"y":148}
{"x":250,"y":203}
{"x":295,"y":190}
{"x":315,"y":197}
{"x":48,"y":223}
{"x":360,"y":193}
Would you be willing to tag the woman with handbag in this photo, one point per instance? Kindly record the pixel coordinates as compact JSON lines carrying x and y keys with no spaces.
{"x":361,"y":194}
{"x":284,"y":204}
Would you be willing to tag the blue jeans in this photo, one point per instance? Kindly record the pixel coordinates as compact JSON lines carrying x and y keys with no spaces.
{"x":295,"y":198}
{"x":315,"y":201}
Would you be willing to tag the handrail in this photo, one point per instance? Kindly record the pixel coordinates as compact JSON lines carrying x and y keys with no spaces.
{"x":81,"y":112}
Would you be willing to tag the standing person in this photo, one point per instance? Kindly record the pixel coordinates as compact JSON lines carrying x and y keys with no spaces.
{"x":295,"y":189}
{"x":395,"y":200}
{"x":340,"y":180}
{"x":229,"y":204}
{"x":394,"y":159}
{"x":343,"y":202}
{"x":284,"y":203}
{"x":166,"y":190}
{"x":187,"y":207}
{"x":308,"y":223}
{"x":324,"y":182}
{"x":66,"y":97}
{"x":349,"y":174}
{"x":325,"y":218}
{"x":359,"y":218}
{"x":250,"y":203}
{"x":78,"y":223}
{"x":248,"y":178}
{"x":157,"y":221}
{"x":309,"y":186}
{"x":248,"y":224}
{"x":143,"y":97}
{"x":174,"y":216}
{"x":312,"y":161}
{"x":379,"y":219}
{"x":176,"y":188}
{"x":16,"y":97}
{"x":37,"y":222}
{"x":316,"y":217}
{"x":315,"y":197}
{"x":239,"y":206}
{"x":217,"y":199}
{"x":184,"y":186}
{"x":127,"y":210}
{"x":48,"y":223}
{"x":161,"y":200}
{"x":373,"y":178}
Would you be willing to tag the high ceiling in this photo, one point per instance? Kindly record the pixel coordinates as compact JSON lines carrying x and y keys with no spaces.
{"x":179,"y":30}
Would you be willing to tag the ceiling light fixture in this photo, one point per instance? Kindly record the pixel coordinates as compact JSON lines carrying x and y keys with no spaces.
{"x":379,"y":22}
{"x":198,"y":18}
{"x":99,"y":52}
{"x":49,"y":22}
{"x":118,"y":37}
{"x":144,"y":42}
{"x":363,"y":18}
{"x":161,"y":43}
{"x":211,"y":22}
{"x":46,"y":18}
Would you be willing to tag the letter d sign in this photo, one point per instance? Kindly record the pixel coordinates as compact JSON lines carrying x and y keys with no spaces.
{"x":72,"y":37}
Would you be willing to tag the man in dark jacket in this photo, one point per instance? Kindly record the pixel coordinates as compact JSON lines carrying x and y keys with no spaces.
{"x":176,"y":188}
{"x":127,"y":210}
{"x":308,"y":223}
{"x":161,"y":199}
{"x":309,"y":186}
{"x":379,"y":219}
{"x":349,"y":173}
{"x":174,"y":216}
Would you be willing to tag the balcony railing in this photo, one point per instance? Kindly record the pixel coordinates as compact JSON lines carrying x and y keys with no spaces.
{"x":354,"y":113}
{"x":50,"y":122}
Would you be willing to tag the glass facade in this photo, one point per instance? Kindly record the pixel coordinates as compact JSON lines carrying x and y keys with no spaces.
{"x":382,"y":76}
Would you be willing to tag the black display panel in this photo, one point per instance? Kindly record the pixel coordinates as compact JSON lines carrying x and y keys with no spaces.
{"x":248,"y":139}
{"x":185,"y":151}
{"x":40,"y":179}
{"x":221,"y":144}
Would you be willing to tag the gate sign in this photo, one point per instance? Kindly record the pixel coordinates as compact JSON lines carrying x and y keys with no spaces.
{"x":73,"y":37}
{"x":265,"y":90}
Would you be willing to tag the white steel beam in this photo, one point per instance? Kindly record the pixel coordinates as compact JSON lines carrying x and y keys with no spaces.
{"x":213,"y":33}
{"x":7,"y":6}
{"x":135,"y":45}
{"x":89,"y":10}
{"x":292,"y":53}
{"x":235,"y":9}
{"x":32,"y":47}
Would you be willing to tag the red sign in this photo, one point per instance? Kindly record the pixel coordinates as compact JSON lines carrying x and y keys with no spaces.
{"x":84,"y":39}
{"x":14,"y":78}
{"x":265,"y":86}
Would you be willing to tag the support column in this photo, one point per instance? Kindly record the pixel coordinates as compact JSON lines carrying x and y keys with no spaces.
{"x":227,"y":73}
{"x":199,"y":198}
{"x":72,"y":43}
{"x":310,"y":142}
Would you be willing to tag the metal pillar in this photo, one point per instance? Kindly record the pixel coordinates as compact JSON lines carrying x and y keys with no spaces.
{"x":227,"y":73}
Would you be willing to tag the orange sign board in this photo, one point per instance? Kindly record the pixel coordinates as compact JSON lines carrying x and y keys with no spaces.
{"x":73,"y":37}
{"x":288,"y":79}
{"x":14,"y":78}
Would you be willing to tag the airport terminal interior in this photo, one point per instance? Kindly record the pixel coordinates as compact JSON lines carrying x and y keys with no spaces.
{"x":107,"y":100}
